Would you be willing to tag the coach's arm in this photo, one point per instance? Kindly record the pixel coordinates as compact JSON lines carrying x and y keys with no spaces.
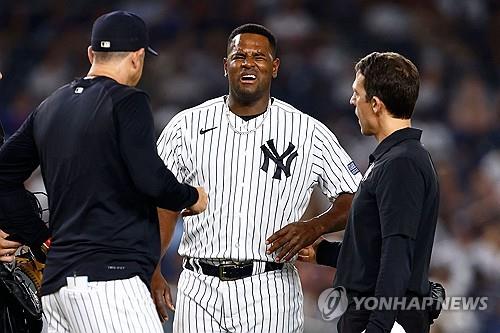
{"x":288,"y":241}
{"x":160,"y":290}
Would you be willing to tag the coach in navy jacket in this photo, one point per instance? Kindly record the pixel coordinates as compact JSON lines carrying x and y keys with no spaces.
{"x":94,"y":140}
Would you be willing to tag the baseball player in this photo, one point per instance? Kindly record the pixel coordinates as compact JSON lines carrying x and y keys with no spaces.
{"x":259,"y":158}
{"x":94,"y":140}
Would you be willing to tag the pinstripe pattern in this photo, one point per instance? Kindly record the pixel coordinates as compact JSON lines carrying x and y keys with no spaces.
{"x":107,"y":306}
{"x":266,"y":303}
{"x":246,"y":204}
{"x":236,"y":161}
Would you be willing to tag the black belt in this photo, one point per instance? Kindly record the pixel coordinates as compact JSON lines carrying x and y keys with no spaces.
{"x":231,"y":271}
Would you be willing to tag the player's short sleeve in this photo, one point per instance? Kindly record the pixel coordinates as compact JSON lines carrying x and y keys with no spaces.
{"x":170,"y":147}
{"x":337,"y":172}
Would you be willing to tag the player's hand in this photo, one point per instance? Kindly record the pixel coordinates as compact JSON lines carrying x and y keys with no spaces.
{"x":7,"y":248}
{"x":199,"y":206}
{"x":288,"y":241}
{"x":160,"y":291}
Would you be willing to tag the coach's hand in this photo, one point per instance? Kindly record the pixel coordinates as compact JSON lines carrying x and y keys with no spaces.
{"x":160,"y":291}
{"x":199,"y":206}
{"x":289,"y":240}
{"x":7,"y":248}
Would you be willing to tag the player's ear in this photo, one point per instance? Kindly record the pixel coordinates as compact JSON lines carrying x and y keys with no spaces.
{"x":276,"y":65}
{"x":90,"y":55}
{"x":225,"y":67}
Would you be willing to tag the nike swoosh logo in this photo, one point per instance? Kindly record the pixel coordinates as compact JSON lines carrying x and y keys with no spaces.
{"x":203,"y":131}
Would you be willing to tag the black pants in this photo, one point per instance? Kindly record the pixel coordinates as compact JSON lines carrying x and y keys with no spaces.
{"x":355,"y":321}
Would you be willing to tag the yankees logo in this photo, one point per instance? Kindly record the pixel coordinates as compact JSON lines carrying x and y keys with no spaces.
{"x":272,"y":153}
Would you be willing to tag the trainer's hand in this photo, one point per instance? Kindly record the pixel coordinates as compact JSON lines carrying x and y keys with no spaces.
{"x":308,"y":254}
{"x":160,"y":291}
{"x":289,"y":240}
{"x":199,"y":206}
{"x":7,"y":248}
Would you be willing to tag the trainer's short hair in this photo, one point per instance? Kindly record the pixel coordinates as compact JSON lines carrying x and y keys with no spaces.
{"x":101,"y":57}
{"x":253,"y":28}
{"x":392,"y":78}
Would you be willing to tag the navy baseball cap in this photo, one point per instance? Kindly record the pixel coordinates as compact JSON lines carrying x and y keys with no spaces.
{"x":120,"y":31}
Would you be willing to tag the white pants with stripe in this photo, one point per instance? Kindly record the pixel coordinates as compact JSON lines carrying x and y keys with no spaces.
{"x":266,"y":303}
{"x":104,"y":306}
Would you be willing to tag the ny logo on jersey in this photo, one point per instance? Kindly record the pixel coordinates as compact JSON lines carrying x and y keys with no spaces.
{"x":270,"y":152}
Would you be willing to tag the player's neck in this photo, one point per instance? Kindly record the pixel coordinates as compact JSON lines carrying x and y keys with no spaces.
{"x":247,"y":109}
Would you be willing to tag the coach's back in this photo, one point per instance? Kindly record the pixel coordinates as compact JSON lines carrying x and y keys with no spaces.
{"x":102,"y":226}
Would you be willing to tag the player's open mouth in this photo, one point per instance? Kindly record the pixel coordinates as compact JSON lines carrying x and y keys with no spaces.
{"x":249,"y":78}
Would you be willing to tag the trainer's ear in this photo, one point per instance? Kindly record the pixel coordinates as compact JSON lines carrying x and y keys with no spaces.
{"x":377,"y":105}
{"x":90,"y":54}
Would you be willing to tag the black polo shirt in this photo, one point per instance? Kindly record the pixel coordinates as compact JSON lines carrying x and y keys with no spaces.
{"x":388,"y":240}
{"x":399,"y":196}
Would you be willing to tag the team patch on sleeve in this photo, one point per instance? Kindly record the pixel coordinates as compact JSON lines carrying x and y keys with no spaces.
{"x":353,"y":168}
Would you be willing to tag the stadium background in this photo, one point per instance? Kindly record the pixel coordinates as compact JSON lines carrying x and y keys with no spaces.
{"x":455,"y":44}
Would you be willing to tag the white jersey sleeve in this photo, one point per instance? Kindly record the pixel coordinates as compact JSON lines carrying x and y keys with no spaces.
{"x":170,"y":147}
{"x":336,"y":170}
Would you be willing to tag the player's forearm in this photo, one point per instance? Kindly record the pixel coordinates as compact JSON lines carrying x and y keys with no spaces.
{"x":335,"y":218}
{"x":167,"y":219}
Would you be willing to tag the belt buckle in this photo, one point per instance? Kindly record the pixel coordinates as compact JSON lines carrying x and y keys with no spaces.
{"x":222,"y":272}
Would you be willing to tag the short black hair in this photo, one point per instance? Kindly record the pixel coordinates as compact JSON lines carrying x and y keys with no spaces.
{"x":392,"y":78}
{"x":109,"y":56}
{"x":254,"y":28}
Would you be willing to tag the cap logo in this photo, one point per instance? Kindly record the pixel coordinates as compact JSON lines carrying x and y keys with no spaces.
{"x":105,"y":44}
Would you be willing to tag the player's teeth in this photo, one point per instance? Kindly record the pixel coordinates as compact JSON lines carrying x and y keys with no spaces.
{"x":249,"y":77}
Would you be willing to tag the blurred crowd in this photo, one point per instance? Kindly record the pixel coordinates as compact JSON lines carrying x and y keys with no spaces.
{"x":454,"y":43}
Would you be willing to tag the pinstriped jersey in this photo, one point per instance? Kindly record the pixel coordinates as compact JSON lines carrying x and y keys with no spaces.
{"x":259,"y":174}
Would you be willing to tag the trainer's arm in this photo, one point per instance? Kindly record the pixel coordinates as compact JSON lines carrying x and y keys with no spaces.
{"x":138,"y":148}
{"x":394,"y":275}
{"x":160,"y":289}
{"x":400,"y":196}
{"x":327,"y":253}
